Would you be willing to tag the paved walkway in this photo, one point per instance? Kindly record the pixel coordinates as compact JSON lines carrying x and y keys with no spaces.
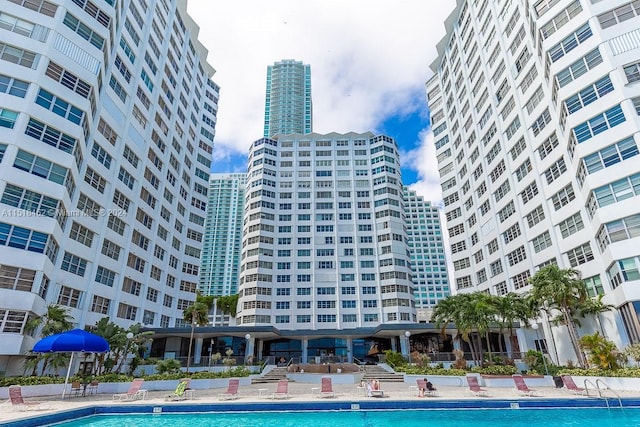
{"x":299,"y":392}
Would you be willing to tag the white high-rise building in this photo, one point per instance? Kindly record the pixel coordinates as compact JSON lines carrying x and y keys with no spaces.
{"x":107,"y":117}
{"x":428,"y":258}
{"x":535,"y":109}
{"x":325,"y":240}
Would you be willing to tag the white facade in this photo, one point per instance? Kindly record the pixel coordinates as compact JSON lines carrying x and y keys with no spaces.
{"x":428,"y":258}
{"x":325,"y":241}
{"x":106,"y":131}
{"x":535,"y":115}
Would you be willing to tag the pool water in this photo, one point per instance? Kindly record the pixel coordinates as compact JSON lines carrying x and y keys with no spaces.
{"x":383,"y":418}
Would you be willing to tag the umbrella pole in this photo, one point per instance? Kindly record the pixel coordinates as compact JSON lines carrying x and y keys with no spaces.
{"x":66,"y":380}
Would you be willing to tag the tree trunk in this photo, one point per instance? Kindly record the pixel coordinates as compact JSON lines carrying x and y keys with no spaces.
{"x":573,"y":336}
{"x":193,"y":327}
{"x":515,"y":345}
{"x":501,"y":348}
{"x":45,"y":362}
{"x":489,"y":351}
{"x":476,"y":351}
{"x":600,"y":325}
{"x":480,"y":350}
{"x":472,"y":348}
{"x":124,"y":358}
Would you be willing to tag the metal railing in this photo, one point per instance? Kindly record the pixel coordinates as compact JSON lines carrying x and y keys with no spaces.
{"x":319,"y":360}
{"x":598,"y":382}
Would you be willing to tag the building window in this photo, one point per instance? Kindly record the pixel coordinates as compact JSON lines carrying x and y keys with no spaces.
{"x":516,"y":256}
{"x":623,"y":270}
{"x":580,"y":255}
{"x":563,"y":197}
{"x":541,"y":242}
{"x":598,"y":124}
{"x":632,"y":72}
{"x":571,"y":225}
{"x":100,"y":304}
{"x":521,"y":280}
{"x":569,"y":43}
{"x":618,"y":15}
{"x":59,"y":106}
{"x":588,"y":95}
{"x":69,"y":297}
{"x":126,"y":311}
{"x":578,"y":68}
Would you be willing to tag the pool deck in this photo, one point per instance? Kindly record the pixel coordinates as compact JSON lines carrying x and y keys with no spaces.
{"x":298,"y":392}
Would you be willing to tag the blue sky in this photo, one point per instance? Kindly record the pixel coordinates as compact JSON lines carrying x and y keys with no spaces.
{"x":369,"y":63}
{"x":403,"y":128}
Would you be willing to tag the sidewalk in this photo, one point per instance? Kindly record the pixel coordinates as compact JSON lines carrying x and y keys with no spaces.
{"x":298,"y":392}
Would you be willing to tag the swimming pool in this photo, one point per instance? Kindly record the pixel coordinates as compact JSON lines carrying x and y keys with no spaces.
{"x":370,"y":413}
{"x":405,"y":418}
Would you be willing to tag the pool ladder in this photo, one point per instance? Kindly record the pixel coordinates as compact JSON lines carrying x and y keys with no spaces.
{"x":600,"y":395}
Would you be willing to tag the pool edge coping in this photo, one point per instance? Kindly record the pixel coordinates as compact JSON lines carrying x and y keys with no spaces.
{"x":346,"y":405}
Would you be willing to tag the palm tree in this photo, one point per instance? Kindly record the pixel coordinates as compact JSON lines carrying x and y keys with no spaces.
{"x":469,"y":313}
{"x":54,"y":321}
{"x":595,"y":306}
{"x":30,"y":363}
{"x":196,"y":314}
{"x":447,"y":312}
{"x":139,"y":340}
{"x":480,"y":312}
{"x":227,"y":304}
{"x":561,"y":290}
{"x":512,"y":308}
{"x":129,"y":341}
{"x":116,"y":336}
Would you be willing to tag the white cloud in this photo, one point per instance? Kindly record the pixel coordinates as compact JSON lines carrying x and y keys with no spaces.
{"x":423,"y":160}
{"x":369,"y":61}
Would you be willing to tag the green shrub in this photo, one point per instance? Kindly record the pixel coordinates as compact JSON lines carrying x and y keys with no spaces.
{"x":113,"y":378}
{"x":394,"y":359}
{"x":168,"y":366}
{"x":239,"y":371}
{"x":594,"y":372}
{"x":495,"y":370}
{"x":165,"y":376}
{"x":438,"y":370}
{"x":7,"y":381}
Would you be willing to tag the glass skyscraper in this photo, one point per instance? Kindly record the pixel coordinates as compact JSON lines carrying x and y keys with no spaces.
{"x":288,"y":107}
{"x":426,"y":246}
{"x":220,"y":267}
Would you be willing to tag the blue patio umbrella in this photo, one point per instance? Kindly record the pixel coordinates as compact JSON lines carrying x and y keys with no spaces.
{"x":70,"y":342}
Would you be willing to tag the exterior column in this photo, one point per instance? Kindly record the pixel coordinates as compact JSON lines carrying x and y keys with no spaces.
{"x":305,"y":354}
{"x":260,"y":346}
{"x":394,"y":346}
{"x":404,"y":345}
{"x":248,"y":350}
{"x":197,"y":351}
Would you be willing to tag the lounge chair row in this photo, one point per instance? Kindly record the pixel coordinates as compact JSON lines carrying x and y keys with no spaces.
{"x":522,"y":387}
{"x":326,"y":389}
{"x":183,"y":391}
